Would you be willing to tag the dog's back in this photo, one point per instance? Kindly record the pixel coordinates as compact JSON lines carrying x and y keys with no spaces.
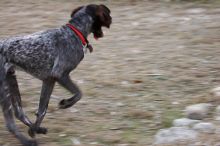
{"x":31,"y":52}
{"x":36,"y":53}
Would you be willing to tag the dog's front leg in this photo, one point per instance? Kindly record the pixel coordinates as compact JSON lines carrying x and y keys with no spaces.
{"x":66,"y":82}
{"x":46,"y":91}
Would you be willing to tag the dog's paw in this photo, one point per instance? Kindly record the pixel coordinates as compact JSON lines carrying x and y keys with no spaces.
{"x":65,"y":104}
{"x":41,"y":130}
{"x":33,"y":130}
{"x":30,"y":143}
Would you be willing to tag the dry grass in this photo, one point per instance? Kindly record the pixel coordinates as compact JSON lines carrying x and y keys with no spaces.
{"x":154,"y":55}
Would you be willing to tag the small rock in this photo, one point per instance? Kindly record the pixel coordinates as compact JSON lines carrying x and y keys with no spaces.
{"x":125,"y":83}
{"x":123,"y":144}
{"x":120,"y":104}
{"x":83,"y":136}
{"x":75,"y":141}
{"x":116,"y":128}
{"x":216,"y":91}
{"x":55,"y":97}
{"x":135,"y":23}
{"x":80,"y":81}
{"x":113,"y":113}
{"x":196,"y":10}
{"x":93,"y":143}
{"x":198,"y":111}
{"x":62,"y":135}
{"x":175,"y":134}
{"x":184,"y":122}
{"x":205,"y":127}
{"x":184,"y":19}
{"x":74,"y":110}
{"x":175,"y":103}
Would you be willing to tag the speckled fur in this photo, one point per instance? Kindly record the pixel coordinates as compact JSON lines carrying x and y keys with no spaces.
{"x":48,"y":53}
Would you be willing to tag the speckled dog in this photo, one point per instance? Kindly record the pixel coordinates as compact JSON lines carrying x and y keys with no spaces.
{"x":49,"y":56}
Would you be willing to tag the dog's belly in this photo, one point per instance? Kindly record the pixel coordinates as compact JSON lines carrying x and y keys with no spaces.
{"x":39,"y":67}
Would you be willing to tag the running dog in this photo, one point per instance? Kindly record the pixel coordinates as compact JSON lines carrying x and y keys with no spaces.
{"x":49,"y":56}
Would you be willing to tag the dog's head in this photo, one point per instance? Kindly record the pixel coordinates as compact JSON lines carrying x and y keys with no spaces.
{"x":100,"y":15}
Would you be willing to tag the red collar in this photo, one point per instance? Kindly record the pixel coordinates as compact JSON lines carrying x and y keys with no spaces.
{"x":78,"y":33}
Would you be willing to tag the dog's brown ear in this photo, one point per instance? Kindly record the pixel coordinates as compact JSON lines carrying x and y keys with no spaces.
{"x":103,"y":13}
{"x":76,"y":10}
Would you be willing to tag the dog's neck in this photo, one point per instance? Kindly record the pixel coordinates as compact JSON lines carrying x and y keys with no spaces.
{"x":83,"y":23}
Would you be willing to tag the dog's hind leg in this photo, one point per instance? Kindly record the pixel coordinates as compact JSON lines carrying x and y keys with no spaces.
{"x":66,"y":82}
{"x":16,"y":98}
{"x":5,"y":102}
{"x":8,"y":115}
{"x":15,"y":95}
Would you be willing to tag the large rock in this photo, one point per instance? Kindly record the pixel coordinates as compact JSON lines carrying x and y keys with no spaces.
{"x":198,"y":111}
{"x":184,"y":122}
{"x":205,"y":127}
{"x":175,"y":134}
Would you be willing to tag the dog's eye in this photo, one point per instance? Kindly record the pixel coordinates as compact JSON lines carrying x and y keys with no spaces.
{"x":105,"y":16}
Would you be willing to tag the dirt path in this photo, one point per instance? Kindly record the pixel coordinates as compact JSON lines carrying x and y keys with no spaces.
{"x":156,"y":58}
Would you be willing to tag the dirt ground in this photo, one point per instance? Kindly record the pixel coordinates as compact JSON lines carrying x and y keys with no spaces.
{"x":156,"y":59}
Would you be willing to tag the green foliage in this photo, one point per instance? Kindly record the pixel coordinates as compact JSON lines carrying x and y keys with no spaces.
{"x":168,"y":116}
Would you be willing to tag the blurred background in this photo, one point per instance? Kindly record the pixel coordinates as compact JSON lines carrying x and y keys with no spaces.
{"x":157,"y":58}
